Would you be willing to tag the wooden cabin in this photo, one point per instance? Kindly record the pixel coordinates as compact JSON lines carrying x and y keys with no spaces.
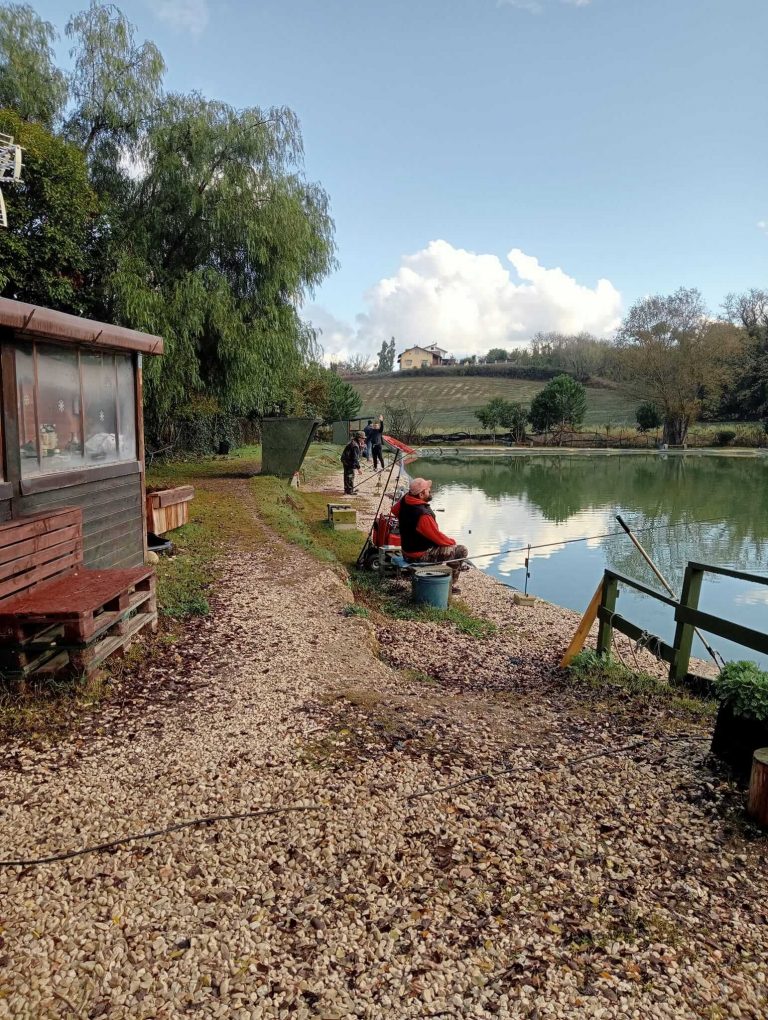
{"x":72,"y":428}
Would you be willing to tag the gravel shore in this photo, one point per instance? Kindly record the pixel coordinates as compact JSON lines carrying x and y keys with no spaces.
{"x":603,"y":870}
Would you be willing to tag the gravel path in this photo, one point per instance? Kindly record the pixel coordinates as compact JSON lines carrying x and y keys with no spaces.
{"x":619,"y":886}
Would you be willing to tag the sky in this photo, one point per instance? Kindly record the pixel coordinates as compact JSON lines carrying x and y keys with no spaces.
{"x":499,"y":167}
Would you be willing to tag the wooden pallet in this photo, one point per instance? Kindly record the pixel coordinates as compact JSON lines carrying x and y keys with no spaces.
{"x":54,"y":613}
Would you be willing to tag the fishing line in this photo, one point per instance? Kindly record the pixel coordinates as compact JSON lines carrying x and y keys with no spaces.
{"x":591,"y":538}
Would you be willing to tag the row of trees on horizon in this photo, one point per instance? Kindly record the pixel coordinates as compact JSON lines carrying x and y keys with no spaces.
{"x":670,"y":353}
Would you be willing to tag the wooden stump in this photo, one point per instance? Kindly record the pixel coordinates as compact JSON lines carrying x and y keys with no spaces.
{"x":757,"y":805}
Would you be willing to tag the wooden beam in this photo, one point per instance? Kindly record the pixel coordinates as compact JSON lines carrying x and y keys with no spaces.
{"x":583,"y":629}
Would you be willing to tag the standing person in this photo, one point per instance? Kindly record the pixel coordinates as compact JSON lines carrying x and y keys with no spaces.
{"x":368,"y":431}
{"x":421,"y":539}
{"x":377,"y":434}
{"x":350,"y":459}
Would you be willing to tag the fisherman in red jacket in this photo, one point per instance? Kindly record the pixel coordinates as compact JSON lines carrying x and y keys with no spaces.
{"x":421,"y":539}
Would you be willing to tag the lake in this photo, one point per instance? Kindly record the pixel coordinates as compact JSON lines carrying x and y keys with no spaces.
{"x":707,"y":507}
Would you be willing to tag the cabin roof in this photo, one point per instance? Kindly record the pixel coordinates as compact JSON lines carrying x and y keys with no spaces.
{"x":36,"y":322}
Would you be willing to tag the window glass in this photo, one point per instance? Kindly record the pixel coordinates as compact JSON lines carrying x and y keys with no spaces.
{"x":25,"y":392}
{"x":76,"y":409}
{"x":100,"y":399}
{"x":126,"y":408}
{"x":58,"y":409}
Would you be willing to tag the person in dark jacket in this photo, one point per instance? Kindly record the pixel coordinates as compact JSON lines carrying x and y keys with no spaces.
{"x":367,"y":433}
{"x":373,"y":437}
{"x":420,"y":538}
{"x":350,"y":459}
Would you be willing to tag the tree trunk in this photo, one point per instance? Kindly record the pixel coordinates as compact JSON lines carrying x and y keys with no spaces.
{"x":757,"y":805}
{"x":675,"y":429}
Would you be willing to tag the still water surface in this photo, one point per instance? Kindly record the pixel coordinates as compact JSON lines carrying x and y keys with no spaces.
{"x":709,"y":508}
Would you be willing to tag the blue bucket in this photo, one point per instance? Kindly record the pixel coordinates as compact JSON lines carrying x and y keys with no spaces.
{"x":432,"y":586}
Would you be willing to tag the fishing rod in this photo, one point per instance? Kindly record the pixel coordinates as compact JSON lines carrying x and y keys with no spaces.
{"x":586,"y":538}
{"x":625,"y":527}
{"x":396,"y":460}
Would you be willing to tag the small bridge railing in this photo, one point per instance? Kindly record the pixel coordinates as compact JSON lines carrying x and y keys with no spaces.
{"x":688,"y":618}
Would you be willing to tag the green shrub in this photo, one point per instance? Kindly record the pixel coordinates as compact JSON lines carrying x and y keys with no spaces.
{"x":725,"y":437}
{"x":355,"y":610}
{"x":743,"y":687}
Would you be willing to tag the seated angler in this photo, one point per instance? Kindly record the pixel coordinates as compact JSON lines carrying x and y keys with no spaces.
{"x":421,"y":539}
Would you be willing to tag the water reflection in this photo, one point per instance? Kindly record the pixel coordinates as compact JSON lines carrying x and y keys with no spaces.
{"x":712,"y":509}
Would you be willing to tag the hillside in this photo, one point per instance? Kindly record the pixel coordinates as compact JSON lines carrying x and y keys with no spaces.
{"x":450,"y":402}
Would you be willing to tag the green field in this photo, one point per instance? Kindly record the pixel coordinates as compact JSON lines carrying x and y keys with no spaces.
{"x":449,"y":404}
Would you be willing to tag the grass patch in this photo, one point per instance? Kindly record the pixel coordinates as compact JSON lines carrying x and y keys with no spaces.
{"x":606,"y":673}
{"x":356,"y":610}
{"x":389,"y":598}
{"x":450,"y":402}
{"x":219,"y":521}
{"x":45,"y":709}
{"x":301,"y":519}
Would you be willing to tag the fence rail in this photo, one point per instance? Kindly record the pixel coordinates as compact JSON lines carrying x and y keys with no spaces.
{"x":688,"y":618}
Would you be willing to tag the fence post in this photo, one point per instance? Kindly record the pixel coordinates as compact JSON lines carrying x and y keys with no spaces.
{"x":684,"y":631}
{"x":607,"y":601}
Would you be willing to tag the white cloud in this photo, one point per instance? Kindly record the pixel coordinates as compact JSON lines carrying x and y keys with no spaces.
{"x":468,"y":303}
{"x":532,"y":6}
{"x":189,"y":15}
{"x":539,"y":6}
{"x":763,"y":225}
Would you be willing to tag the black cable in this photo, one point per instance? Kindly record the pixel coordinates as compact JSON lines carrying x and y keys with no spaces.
{"x":210,"y":819}
{"x":512,"y":769}
{"x":207,"y":820}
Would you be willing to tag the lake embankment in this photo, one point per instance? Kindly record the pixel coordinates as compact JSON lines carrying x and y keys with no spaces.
{"x":455,"y":828}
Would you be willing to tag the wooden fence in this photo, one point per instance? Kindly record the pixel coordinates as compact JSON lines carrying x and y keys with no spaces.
{"x":688,"y":618}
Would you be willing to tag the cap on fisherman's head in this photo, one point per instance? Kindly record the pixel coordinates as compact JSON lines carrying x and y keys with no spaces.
{"x":419,"y":485}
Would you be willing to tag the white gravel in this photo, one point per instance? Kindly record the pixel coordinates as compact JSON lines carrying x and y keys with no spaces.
{"x":623,"y":887}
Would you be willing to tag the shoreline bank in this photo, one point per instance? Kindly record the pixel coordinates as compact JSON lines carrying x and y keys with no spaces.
{"x":489,"y":838}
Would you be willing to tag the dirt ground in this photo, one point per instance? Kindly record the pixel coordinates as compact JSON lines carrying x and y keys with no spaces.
{"x":458,"y":829}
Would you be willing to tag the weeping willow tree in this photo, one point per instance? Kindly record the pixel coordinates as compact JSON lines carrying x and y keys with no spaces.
{"x":207,"y":230}
{"x":223,"y":240}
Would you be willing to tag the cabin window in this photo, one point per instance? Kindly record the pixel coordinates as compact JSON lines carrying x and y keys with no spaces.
{"x":76,"y":408}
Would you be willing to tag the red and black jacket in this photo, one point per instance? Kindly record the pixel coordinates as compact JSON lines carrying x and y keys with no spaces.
{"x":418,"y":527}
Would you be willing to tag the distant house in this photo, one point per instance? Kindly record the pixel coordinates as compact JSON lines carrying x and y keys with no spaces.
{"x":424,"y":357}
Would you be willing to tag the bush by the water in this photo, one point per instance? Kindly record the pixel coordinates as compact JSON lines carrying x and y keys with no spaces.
{"x":725,"y":437}
{"x":743,"y":687}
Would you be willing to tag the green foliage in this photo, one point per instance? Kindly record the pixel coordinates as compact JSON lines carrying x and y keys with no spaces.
{"x":198,"y":224}
{"x":356,"y":610}
{"x":743,"y":687}
{"x":747,"y":389}
{"x":386,"y":362}
{"x":608,"y":673}
{"x":648,"y":417}
{"x":45,"y":254}
{"x":30,"y":84}
{"x":225,"y":239}
{"x":322,"y":393}
{"x":561,"y":404}
{"x":390,"y":598}
{"x":506,"y":414}
{"x":115,"y":84}
{"x":496,"y":354}
{"x":674,"y":355}
{"x":199,"y":429}
{"x":725,"y":437}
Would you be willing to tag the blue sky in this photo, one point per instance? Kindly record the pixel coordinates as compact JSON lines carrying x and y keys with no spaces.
{"x":616,"y":140}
